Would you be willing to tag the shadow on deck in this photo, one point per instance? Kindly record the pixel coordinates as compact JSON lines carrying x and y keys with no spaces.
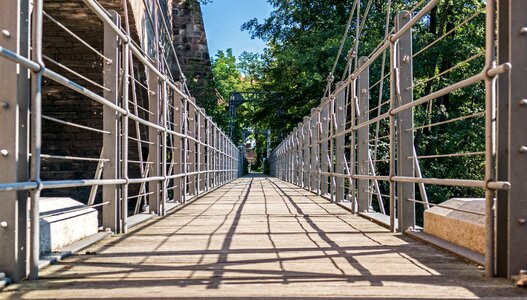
{"x":259,"y":237}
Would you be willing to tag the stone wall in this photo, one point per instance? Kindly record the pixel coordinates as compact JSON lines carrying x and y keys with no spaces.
{"x":190,"y":39}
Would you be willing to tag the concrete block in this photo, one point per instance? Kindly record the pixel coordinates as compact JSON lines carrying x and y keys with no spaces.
{"x":59,"y":228}
{"x":460,"y":228}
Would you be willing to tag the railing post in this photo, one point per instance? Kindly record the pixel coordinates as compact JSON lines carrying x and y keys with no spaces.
{"x":177,"y":152}
{"x":502,"y":155}
{"x":317,"y":151}
{"x":512,"y":157}
{"x":222,"y":157}
{"x":340,"y":114}
{"x":405,"y":123}
{"x":313,"y":149}
{"x":363,"y":144}
{"x":14,"y":149}
{"x":111,"y":211}
{"x":306,"y":153}
{"x":206,"y":135}
{"x":298,"y":148}
{"x":216,"y":156}
{"x":201,"y":150}
{"x":191,"y":161}
{"x":164,"y":139}
{"x":300,"y":159}
{"x":352,"y":161}
{"x":331,"y":151}
{"x":324,"y":151}
{"x":210,"y":153}
{"x":154,"y":136}
{"x":124,"y":140}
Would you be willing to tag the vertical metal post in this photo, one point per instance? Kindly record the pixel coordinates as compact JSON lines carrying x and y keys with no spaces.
{"x":178,"y":151}
{"x":198,"y":151}
{"x":111,"y":211}
{"x":324,"y":151}
{"x":313,"y":145}
{"x":331,"y":154}
{"x":192,"y":151}
{"x":154,"y":136}
{"x":185,"y":149}
{"x":363,"y":144}
{"x":14,"y":148}
{"x":164,"y":149}
{"x":207,"y":152}
{"x":405,"y":121}
{"x":502,"y":155}
{"x":224,"y":156}
{"x":306,"y":153}
{"x":490,"y":115}
{"x":517,"y":142}
{"x":300,"y":159}
{"x":393,"y":95}
{"x":340,"y":113}
{"x":296,"y":154}
{"x":202,"y":139}
{"x":215,"y":158}
{"x":317,"y":152}
{"x":36,"y":139}
{"x":124,"y":141}
{"x":353,"y":157}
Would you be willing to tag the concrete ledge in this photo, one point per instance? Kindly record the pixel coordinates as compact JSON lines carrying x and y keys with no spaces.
{"x":453,"y":222}
{"x":64,"y":221}
{"x":465,"y":253}
{"x":71,"y":249}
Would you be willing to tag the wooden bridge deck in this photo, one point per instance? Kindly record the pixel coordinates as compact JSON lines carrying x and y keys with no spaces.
{"x":263,"y":238}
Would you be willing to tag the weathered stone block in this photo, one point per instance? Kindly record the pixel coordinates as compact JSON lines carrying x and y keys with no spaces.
{"x":461,"y":228}
{"x":59,"y":228}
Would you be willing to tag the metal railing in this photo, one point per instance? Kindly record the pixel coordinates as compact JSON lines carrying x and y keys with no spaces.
{"x":369,"y":159}
{"x":157,"y":148}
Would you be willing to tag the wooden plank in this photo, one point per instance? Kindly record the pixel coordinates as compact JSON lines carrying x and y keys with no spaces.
{"x":261,"y":237}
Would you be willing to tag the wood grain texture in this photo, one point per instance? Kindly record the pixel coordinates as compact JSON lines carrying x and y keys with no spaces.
{"x":260,"y":237}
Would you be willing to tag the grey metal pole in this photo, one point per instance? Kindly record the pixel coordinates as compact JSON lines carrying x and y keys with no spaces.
{"x":324,"y":151}
{"x":154,"y":148}
{"x":405,"y":122}
{"x":391,"y":174}
{"x":306,"y":153}
{"x":490,"y":110}
{"x":363,"y":90}
{"x":164,"y":149}
{"x":178,"y":151}
{"x":14,"y":149}
{"x":124,"y":142}
{"x":110,"y":212}
{"x":36,"y":139}
{"x":502,"y":155}
{"x":516,"y":221}
{"x":340,"y":112}
{"x":353,"y":153}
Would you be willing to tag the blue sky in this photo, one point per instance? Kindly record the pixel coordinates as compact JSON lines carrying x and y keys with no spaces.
{"x":223,"y":19}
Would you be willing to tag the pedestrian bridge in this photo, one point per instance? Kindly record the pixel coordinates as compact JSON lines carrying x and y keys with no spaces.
{"x":263,"y":238}
{"x":115,"y":183}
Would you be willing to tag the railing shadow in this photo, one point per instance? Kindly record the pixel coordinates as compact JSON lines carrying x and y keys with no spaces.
{"x":233,"y":265}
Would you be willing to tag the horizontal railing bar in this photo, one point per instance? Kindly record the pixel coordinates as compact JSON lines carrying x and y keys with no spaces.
{"x":74,"y":125}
